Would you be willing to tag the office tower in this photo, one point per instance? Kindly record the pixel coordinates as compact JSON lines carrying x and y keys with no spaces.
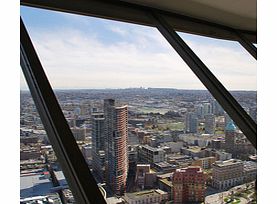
{"x":98,"y":145}
{"x":200,"y":111}
{"x":116,"y":133}
{"x":230,"y":136}
{"x":209,"y":124}
{"x":188,"y":185}
{"x":216,"y":108}
{"x":191,"y":123}
{"x":207,"y":108}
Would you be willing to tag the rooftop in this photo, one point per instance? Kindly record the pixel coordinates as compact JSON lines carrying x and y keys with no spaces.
{"x":148,"y":193}
{"x":34,"y":185}
{"x":194,"y":149}
{"x":166,"y":182}
{"x":249,"y":165}
{"x":230,"y":126}
{"x":228,"y":162}
{"x":152,"y":148}
{"x":189,"y":169}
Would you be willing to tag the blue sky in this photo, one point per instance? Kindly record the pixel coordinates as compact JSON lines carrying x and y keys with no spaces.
{"x":86,"y":52}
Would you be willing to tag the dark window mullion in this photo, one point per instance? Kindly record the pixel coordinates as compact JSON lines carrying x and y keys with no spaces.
{"x":252,"y":49}
{"x":73,"y":164}
{"x":225,"y":99}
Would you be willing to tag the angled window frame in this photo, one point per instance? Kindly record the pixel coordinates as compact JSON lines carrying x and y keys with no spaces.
{"x":77,"y":173}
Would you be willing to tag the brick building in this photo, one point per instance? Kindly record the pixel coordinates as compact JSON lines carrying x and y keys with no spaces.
{"x":189,"y":185}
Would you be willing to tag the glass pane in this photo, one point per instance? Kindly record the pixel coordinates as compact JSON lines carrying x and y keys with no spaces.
{"x":138,"y":112}
{"x":41,"y":178}
{"x":234,"y":67}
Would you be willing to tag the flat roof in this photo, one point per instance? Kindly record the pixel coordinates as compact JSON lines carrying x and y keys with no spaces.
{"x":194,"y":149}
{"x":154,"y":149}
{"x":166,"y":182}
{"x":228,"y":162}
{"x":150,"y":193}
{"x":34,"y":185}
{"x":249,"y":165}
{"x":61,"y":178}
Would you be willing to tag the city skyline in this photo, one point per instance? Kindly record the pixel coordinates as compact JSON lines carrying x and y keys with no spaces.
{"x":137,"y":140}
{"x":84,"y":52}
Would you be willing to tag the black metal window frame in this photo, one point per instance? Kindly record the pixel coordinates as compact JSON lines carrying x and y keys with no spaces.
{"x":76,"y":171}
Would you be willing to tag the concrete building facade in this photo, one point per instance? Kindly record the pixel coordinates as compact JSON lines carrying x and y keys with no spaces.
{"x":147,"y":196}
{"x":116,"y":134}
{"x":227,"y":174}
{"x":204,"y":163}
{"x":151,"y":155}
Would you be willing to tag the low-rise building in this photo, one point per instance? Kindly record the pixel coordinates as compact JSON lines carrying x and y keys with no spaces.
{"x":204,"y":163}
{"x":164,"y":167}
{"x":175,"y":147}
{"x":193,"y":151}
{"x":166,"y":185}
{"x":142,"y":170}
{"x":218,"y":154}
{"x":189,"y":185}
{"x":26,"y":154}
{"x":51,"y":199}
{"x":227,"y":173}
{"x":29,"y":139}
{"x":150,"y":154}
{"x":249,"y":171}
{"x":147,"y":196}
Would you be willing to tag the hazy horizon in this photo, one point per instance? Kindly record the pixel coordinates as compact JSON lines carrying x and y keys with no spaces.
{"x":79,"y":52}
{"x":145,"y":88}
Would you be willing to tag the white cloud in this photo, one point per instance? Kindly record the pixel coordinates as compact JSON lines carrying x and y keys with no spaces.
{"x":73,"y":59}
{"x":118,"y":30}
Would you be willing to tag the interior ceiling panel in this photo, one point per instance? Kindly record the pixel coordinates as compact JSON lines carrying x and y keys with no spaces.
{"x":237,"y":14}
{"x":212,"y":18}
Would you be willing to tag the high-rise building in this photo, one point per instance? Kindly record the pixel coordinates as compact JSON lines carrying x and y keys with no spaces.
{"x":199,"y":110}
{"x":230,"y":136}
{"x":189,"y":185}
{"x":98,"y":145}
{"x":236,"y":143}
{"x":209,"y":124}
{"x":207,"y":108}
{"x":191,"y":122}
{"x":227,"y":119}
{"x":216,"y":108}
{"x":116,"y":134}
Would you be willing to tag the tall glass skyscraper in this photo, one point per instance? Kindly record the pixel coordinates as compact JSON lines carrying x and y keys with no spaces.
{"x":209,"y":124}
{"x":191,"y":122}
{"x":98,"y":145}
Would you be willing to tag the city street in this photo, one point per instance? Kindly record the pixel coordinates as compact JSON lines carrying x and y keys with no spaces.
{"x":217,"y":198}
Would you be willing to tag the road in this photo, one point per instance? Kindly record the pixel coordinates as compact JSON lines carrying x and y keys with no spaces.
{"x":217,"y":198}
